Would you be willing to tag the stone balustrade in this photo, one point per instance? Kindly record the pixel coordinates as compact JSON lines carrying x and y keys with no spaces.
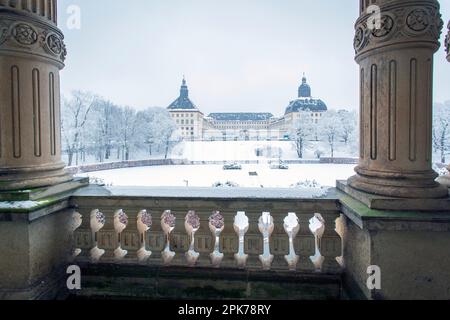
{"x":178,"y":227}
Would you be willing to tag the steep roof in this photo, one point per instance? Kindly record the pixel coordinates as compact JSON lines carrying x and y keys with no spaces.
{"x":306,"y":104}
{"x":183,"y":102}
{"x":305,"y":101}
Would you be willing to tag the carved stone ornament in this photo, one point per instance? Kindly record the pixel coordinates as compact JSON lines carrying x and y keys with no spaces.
{"x":31,"y":37}
{"x":418,"y":20}
{"x":24,"y":34}
{"x":399,"y":23}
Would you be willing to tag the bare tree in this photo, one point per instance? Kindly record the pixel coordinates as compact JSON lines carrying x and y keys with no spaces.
{"x":441,"y":130}
{"x":75,"y":112}
{"x":349,"y":123}
{"x":330,"y":128}
{"x":302,"y":132}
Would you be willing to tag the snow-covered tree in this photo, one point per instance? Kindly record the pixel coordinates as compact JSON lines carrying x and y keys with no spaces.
{"x":127,"y":127}
{"x":156,"y":129}
{"x":74,"y":116}
{"x":330,"y":129}
{"x":349,"y":124}
{"x":302,"y":132}
{"x":441,"y":130}
{"x":103,"y":133}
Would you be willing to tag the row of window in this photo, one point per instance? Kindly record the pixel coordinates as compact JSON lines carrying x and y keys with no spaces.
{"x":185,"y":122}
{"x":182,"y":115}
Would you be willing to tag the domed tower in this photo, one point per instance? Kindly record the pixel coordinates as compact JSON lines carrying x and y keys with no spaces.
{"x":304,"y":91}
{"x":186,"y":115}
{"x":184,"y":91}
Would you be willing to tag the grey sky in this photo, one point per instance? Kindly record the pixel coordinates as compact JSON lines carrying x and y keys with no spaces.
{"x":237,"y":55}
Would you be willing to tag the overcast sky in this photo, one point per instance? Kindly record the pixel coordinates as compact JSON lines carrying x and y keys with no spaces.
{"x":237,"y":55}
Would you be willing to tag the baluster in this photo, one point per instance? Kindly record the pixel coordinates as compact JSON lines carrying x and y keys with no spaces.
{"x":330,"y":244}
{"x":168,"y":222}
{"x":317,"y":226}
{"x":241,"y":226}
{"x":97,"y":223}
{"x":341,"y":229}
{"x":266,"y":227}
{"x":216,"y":225}
{"x":144,"y":224}
{"x":306,"y":244}
{"x":76,"y":222}
{"x":120,"y":224}
{"x":292,"y":227}
{"x":192,"y":225}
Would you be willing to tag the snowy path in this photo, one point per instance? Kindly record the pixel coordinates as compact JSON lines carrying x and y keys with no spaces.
{"x":207,"y":175}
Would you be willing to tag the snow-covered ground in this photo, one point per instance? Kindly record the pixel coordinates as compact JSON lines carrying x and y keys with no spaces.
{"x":207,"y":175}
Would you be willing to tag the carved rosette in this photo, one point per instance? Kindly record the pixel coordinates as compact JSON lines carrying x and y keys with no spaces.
{"x":400,"y":23}
{"x":447,"y":42}
{"x":32,"y":36}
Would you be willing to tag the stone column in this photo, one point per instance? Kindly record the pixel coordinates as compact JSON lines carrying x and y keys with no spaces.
{"x":396,"y":89}
{"x":32,"y":53}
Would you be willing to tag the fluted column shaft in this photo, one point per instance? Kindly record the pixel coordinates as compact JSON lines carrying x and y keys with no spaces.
{"x":396,"y":86}
{"x":32,"y":53}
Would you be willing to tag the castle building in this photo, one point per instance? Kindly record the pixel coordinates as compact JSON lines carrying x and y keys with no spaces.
{"x":186,"y":115}
{"x":193,"y":125}
{"x":304,"y":106}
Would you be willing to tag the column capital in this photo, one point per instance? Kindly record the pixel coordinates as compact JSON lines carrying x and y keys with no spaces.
{"x":32,"y":30}
{"x":404,"y":23}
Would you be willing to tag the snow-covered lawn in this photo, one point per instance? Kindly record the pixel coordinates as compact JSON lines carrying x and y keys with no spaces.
{"x":207,"y":175}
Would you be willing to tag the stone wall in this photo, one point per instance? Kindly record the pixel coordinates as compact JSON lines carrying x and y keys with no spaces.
{"x":176,"y":162}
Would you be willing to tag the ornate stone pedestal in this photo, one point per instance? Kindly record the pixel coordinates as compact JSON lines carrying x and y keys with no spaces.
{"x":409,"y":247}
{"x":32,"y":53}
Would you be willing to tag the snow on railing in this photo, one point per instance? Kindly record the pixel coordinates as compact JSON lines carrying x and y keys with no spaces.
{"x":245,"y":240}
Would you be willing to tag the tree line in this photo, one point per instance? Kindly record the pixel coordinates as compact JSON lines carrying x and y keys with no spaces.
{"x":95,"y":127}
{"x":333,"y":127}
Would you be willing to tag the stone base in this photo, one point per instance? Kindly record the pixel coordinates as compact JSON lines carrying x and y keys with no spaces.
{"x":46,"y":192}
{"x":34,"y":177}
{"x":36,"y":241}
{"x":407,"y":186}
{"x":410,"y":247}
{"x":391,"y":203}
